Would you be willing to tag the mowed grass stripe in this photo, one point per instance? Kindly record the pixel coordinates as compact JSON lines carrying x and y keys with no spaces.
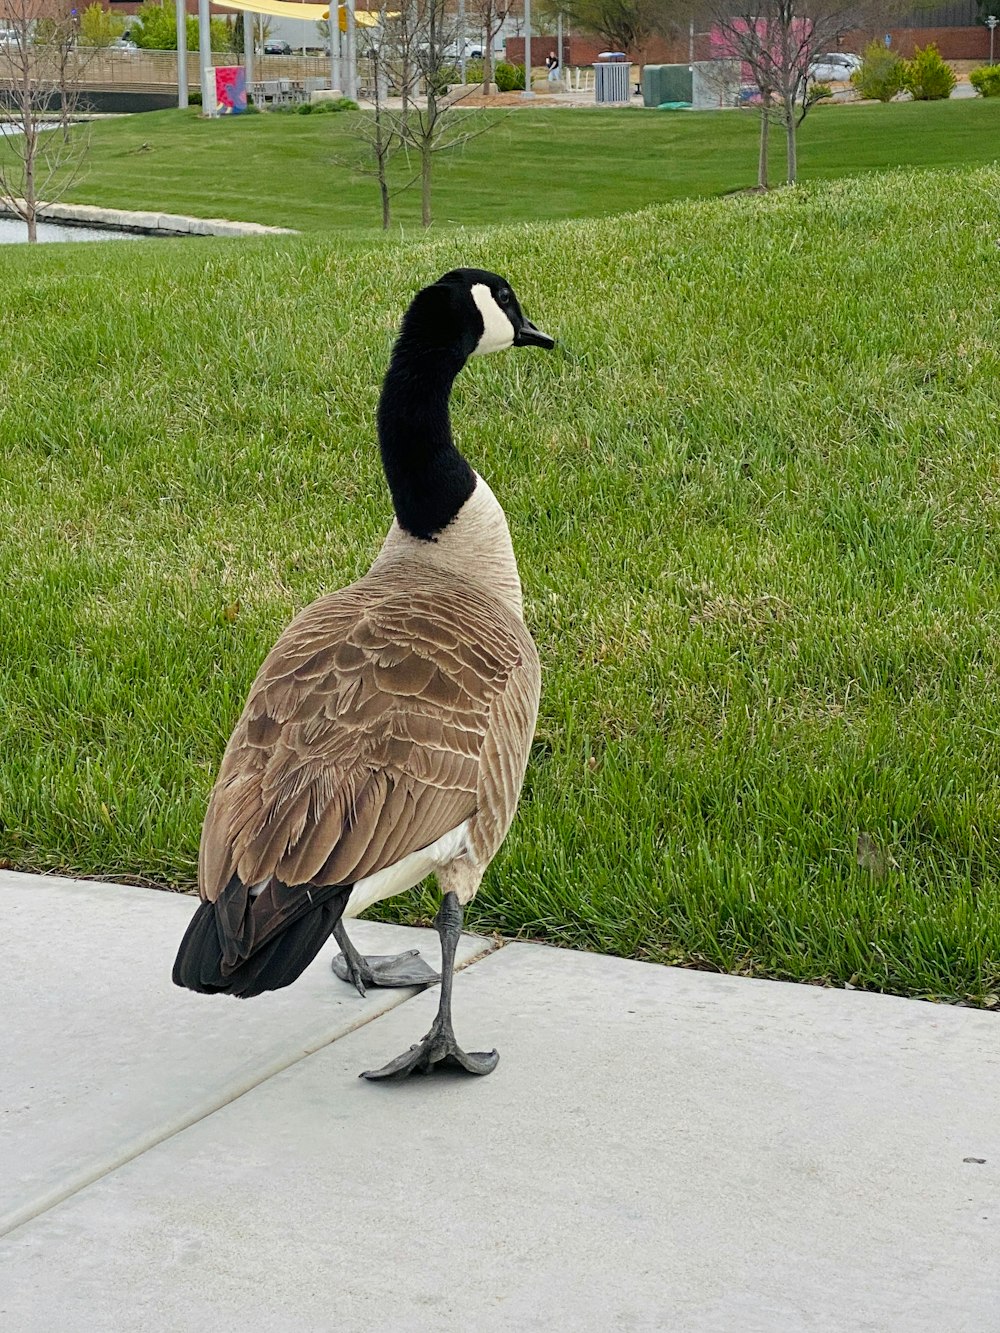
{"x":297,"y":171}
{"x":754,"y":496}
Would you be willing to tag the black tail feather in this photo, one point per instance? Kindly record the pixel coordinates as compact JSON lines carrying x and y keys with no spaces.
{"x":282,"y":958}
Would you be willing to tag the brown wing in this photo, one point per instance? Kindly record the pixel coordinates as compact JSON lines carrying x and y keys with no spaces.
{"x":504,"y":756}
{"x":362,"y":736}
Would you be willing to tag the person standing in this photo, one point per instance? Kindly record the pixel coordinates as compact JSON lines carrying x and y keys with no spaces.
{"x":552,"y":65}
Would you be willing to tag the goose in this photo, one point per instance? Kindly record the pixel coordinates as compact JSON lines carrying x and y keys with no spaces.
{"x":387,"y":733}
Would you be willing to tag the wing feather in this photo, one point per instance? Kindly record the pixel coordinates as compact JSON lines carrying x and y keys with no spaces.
{"x":365,"y":733}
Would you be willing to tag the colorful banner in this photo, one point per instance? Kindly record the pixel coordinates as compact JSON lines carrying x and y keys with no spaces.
{"x":230,"y":89}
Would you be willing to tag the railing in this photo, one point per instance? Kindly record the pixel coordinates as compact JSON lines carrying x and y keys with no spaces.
{"x":111,"y":68}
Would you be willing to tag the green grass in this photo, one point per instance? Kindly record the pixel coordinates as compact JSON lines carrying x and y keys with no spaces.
{"x":290,"y":170}
{"x":755,"y":496}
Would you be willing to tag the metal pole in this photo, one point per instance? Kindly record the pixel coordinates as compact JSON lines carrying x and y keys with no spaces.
{"x":991,"y":23}
{"x":248,"y":51}
{"x":461,"y":39}
{"x":205,"y":60}
{"x":691,"y":43}
{"x":182,"y":54}
{"x":334,"y":22}
{"x":559,"y":48}
{"x":527,"y":50}
{"x":351,"y":80}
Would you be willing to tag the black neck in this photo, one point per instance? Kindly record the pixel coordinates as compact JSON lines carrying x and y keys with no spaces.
{"x":428,"y":477}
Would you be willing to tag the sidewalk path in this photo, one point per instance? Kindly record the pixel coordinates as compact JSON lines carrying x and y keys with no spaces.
{"x":658,"y":1149}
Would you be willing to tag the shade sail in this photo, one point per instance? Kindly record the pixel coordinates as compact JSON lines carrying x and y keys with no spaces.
{"x":289,"y":9}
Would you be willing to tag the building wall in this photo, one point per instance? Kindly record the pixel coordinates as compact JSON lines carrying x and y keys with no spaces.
{"x":954,"y":44}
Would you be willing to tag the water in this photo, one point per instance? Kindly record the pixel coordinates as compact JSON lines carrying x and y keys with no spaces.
{"x":13,"y":231}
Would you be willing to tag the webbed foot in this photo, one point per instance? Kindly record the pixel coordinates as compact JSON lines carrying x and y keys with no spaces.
{"x":438,"y":1048}
{"x":403,"y":969}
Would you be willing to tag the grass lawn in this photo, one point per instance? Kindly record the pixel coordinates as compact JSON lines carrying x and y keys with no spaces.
{"x":293,"y":170}
{"x":755,"y":496}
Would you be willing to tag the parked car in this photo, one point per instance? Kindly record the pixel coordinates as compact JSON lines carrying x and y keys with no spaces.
{"x":834,"y":67}
{"x":453,"y":51}
{"x":274,"y":47}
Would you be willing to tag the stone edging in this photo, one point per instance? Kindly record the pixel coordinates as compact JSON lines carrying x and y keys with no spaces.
{"x":151,"y":224}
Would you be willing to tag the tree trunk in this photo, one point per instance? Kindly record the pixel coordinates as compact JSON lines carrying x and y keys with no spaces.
{"x":488,"y":52}
{"x":386,"y":206}
{"x":790,"y":132}
{"x":425,"y":183}
{"x":30,"y":202}
{"x":765,"y":130}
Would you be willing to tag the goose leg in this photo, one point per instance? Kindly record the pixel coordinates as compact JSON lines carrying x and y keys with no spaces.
{"x":439,"y":1046}
{"x":403,"y":969}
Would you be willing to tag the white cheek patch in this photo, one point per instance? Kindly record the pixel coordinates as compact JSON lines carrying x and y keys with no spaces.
{"x":498,"y":331}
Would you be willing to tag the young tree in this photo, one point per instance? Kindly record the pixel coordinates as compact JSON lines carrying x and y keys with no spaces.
{"x":43,"y":147}
{"x":261,"y":32}
{"x":99,"y":27}
{"x":379,"y":129}
{"x":491,"y":16}
{"x":776,"y":41}
{"x":411,"y":56}
{"x":626,"y":25}
{"x":436,"y":123}
{"x":154,"y":28}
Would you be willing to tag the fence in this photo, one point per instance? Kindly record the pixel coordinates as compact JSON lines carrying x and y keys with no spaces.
{"x":157,"y":70}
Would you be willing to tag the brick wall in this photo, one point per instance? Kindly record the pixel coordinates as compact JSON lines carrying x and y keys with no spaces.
{"x":584,"y":50}
{"x":953,"y":43}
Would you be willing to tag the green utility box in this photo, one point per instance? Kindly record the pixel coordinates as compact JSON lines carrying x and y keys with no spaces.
{"x":667,"y":83}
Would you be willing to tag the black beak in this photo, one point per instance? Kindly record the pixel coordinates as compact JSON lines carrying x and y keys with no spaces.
{"x":528,"y":336}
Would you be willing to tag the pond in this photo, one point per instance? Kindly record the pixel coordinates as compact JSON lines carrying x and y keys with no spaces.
{"x":13,"y":231}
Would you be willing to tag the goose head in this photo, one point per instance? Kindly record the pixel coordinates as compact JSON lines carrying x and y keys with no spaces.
{"x":469,"y":312}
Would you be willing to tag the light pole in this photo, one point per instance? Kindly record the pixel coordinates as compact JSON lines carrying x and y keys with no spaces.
{"x":351,"y":78}
{"x":991,"y":23}
{"x":182,"y":54}
{"x":335,"y":44}
{"x":208,"y":103}
{"x":527,"y":50}
{"x":248,"y":52}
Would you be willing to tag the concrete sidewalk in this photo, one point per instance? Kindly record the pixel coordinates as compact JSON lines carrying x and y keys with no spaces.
{"x":658,"y":1149}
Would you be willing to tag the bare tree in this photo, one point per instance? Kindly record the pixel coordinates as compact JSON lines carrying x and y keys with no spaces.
{"x":378,"y":49}
{"x":777,"y":41}
{"x":40,"y":97}
{"x":436,"y":124}
{"x":627,"y":25}
{"x":492,"y":15}
{"x":410,"y":57}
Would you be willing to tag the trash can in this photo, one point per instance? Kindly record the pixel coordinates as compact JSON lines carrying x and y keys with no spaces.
{"x":612,"y":77}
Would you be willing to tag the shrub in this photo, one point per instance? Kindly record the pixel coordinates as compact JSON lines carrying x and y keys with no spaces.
{"x":927,"y":76}
{"x":305,"y":109}
{"x":881,"y":73}
{"x":154,"y":28}
{"x":508,"y":78}
{"x":817,"y":91}
{"x":986,"y":80}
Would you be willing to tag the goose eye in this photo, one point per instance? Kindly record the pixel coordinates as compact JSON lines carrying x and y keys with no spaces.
{"x":503,"y":296}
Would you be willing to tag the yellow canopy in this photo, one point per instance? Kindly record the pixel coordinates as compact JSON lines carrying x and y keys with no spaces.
{"x":289,"y":9}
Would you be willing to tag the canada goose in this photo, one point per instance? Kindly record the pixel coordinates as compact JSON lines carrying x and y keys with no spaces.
{"x":387,"y":733}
